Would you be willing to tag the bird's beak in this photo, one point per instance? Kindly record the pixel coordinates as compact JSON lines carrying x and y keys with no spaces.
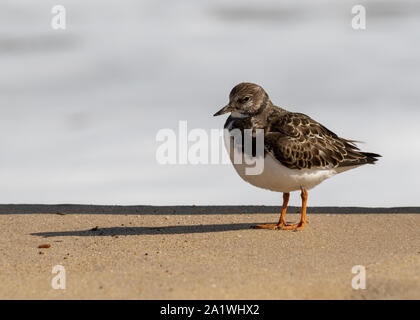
{"x":227,"y":108}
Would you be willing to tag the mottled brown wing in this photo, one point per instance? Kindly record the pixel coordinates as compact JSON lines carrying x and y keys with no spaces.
{"x":299,"y":142}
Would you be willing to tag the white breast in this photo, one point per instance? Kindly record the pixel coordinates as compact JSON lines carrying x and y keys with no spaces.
{"x":277,"y":177}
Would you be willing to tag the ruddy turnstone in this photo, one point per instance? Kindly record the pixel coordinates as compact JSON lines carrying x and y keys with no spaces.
{"x":299,"y":152}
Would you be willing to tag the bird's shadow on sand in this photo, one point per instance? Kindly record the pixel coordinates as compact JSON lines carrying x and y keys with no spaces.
{"x":127,"y":231}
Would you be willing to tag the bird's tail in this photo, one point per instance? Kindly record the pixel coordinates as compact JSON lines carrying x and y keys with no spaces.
{"x":371,"y":157}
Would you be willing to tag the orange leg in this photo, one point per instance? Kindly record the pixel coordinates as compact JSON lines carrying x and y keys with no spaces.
{"x":282,"y":221}
{"x":301,"y":225}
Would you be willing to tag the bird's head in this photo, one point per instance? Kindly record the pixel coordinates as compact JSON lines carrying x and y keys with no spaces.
{"x":245,"y":99}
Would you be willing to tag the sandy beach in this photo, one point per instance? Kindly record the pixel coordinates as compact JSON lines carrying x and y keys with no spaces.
{"x":196,"y":253}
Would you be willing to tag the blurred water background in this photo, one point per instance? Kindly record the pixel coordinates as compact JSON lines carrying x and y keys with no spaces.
{"x":80,"y":108}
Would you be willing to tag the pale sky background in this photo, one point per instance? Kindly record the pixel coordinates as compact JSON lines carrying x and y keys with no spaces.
{"x":80,"y":108}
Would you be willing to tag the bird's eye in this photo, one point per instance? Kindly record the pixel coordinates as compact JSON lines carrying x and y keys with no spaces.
{"x":245,"y":99}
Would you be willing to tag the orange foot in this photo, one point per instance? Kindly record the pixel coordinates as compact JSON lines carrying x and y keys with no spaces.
{"x":266,"y":226}
{"x":282,"y":226}
{"x":297,"y":226}
{"x":269,"y":226}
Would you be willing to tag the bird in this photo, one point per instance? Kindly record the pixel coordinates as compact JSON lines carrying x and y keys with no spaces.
{"x":298,"y":152}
